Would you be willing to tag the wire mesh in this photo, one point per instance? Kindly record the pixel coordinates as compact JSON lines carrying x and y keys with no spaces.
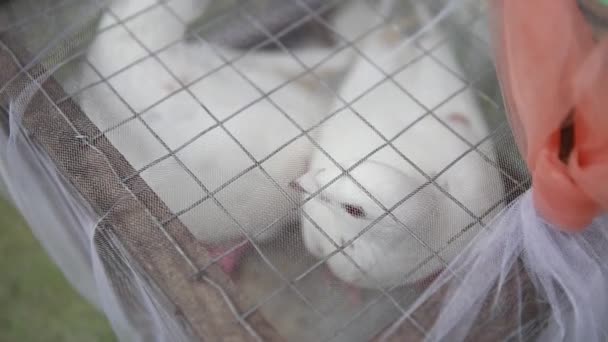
{"x":127,"y":120}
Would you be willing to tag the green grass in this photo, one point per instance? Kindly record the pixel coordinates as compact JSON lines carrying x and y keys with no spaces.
{"x":36,"y":302}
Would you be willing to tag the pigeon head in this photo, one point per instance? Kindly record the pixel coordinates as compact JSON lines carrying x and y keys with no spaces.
{"x":354,"y":197}
{"x":345,"y":211}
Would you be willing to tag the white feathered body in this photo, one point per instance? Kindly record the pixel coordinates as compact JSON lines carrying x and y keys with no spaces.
{"x":388,"y":253}
{"x":145,"y":104}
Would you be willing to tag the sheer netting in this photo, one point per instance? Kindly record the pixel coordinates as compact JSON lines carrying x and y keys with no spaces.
{"x":557,"y":109}
{"x":303,"y":170}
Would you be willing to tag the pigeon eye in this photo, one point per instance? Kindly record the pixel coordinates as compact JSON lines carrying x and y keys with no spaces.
{"x":354,"y":210}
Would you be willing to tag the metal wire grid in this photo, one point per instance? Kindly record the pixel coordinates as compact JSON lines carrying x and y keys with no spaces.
{"x":339,"y":249}
{"x":241,"y":10}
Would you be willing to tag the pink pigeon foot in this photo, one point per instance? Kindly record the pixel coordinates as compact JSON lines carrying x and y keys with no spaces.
{"x":229,"y":262}
{"x":353,"y":293}
{"x":459,"y":118}
{"x":425,"y":282}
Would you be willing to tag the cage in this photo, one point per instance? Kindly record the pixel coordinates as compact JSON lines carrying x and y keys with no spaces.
{"x":159,"y":150}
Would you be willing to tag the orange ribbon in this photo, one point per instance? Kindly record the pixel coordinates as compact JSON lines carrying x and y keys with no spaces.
{"x":551,"y":68}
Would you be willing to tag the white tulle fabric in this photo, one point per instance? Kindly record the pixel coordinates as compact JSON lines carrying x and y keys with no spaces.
{"x":568,"y":271}
{"x":67,"y":229}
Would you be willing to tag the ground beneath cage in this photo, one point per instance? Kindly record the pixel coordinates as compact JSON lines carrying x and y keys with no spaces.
{"x":305,"y":306}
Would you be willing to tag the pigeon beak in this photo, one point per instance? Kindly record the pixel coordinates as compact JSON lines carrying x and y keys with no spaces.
{"x":305,"y":184}
{"x":297,"y":187}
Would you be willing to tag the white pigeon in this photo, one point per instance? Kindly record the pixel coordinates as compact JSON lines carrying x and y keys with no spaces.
{"x":390,"y":253}
{"x":241,"y":175}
